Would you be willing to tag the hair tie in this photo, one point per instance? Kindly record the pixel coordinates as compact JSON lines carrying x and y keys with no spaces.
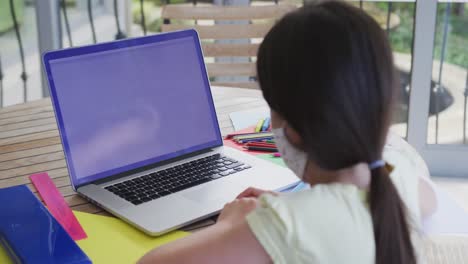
{"x":376,"y":164}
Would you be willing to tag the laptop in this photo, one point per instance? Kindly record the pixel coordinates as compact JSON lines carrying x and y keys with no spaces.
{"x":140,"y":133}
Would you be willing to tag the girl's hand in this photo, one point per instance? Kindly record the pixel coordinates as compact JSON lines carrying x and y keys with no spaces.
{"x":230,"y":241}
{"x":236,"y":211}
{"x":252,"y":192}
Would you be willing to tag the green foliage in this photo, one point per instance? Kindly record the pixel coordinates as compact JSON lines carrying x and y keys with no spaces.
{"x":151,"y":7}
{"x":401,"y":37}
{"x":457,"y":40}
{"x":148,"y":8}
{"x":155,"y":25}
{"x":162,"y":2}
{"x":6,"y":22}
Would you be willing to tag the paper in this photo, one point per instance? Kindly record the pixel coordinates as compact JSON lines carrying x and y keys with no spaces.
{"x":111,"y":240}
{"x":4,"y":258}
{"x":269,"y":157}
{"x":57,"y":205}
{"x":245,"y":119}
{"x":449,"y":218}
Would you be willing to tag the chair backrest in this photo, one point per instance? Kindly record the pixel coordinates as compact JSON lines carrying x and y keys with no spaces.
{"x":259,"y":20}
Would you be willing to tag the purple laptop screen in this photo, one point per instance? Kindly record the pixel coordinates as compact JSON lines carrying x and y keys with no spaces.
{"x":129,"y":107}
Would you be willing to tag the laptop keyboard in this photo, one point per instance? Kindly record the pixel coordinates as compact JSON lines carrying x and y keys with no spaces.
{"x":158,"y":184}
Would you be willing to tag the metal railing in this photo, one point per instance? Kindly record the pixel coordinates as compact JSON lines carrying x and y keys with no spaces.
{"x":437,"y":90}
{"x":465,"y":110}
{"x":64,"y":9}
{"x":91,"y":21}
{"x":1,"y":83}
{"x":119,"y":35}
{"x":24,"y":75}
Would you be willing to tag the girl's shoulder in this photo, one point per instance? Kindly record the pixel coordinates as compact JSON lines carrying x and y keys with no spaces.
{"x":322,"y":202}
{"x":310,"y":226}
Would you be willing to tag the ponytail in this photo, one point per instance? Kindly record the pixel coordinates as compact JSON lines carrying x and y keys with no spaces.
{"x":391,"y":229}
{"x":327,"y":68}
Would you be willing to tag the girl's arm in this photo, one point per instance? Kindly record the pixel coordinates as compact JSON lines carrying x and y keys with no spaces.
{"x":427,"y":197}
{"x":230,"y":240}
{"x":426,"y":189}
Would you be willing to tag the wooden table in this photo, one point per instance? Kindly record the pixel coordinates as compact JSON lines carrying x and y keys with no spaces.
{"x":30,"y":143}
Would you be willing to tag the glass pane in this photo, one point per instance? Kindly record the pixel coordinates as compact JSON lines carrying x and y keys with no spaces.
{"x":448,"y":91}
{"x":397,"y":19}
{"x":12,"y":64}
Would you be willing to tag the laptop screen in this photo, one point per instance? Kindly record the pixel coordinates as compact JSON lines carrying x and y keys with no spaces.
{"x":131,"y":103}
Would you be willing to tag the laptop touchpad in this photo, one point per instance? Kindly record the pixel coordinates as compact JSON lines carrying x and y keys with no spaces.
{"x":218,"y":194}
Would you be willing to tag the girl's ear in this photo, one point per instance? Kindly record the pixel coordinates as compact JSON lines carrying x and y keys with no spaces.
{"x":293,"y":136}
{"x":276,"y":120}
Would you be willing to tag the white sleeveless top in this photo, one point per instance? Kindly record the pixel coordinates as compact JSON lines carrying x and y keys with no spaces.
{"x":331,"y":223}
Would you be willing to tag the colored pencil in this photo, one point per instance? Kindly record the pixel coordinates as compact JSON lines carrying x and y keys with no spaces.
{"x":232,"y":135}
{"x":258,"y":144}
{"x":266,"y":124}
{"x":259,"y":126}
{"x":259,"y":135}
{"x":262,"y":142}
{"x":252,"y":136}
{"x":229,"y":136}
{"x":251,"y":140}
{"x":262,"y":149}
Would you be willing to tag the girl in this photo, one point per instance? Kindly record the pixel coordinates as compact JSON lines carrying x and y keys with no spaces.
{"x":327,"y":73}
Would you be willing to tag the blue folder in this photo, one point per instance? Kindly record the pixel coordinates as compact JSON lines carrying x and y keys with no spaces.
{"x":30,"y":234}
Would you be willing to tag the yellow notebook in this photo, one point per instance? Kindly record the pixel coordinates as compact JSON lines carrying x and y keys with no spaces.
{"x":110,"y":240}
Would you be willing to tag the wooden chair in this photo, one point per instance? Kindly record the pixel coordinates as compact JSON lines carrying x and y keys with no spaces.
{"x":260,"y":20}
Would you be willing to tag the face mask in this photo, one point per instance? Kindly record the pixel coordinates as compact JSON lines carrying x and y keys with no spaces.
{"x":295,"y":159}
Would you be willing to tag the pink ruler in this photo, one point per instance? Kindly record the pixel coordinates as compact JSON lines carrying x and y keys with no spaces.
{"x":57,"y":206}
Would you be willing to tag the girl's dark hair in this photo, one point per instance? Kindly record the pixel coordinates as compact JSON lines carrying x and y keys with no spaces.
{"x":327,"y":69}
